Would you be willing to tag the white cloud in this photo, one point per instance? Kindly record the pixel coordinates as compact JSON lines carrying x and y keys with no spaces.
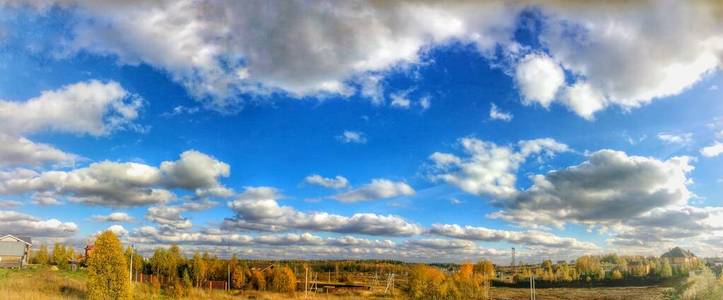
{"x":376,"y":189}
{"x":16,"y":151}
{"x":425,"y":102}
{"x":198,"y":172}
{"x":611,"y":51}
{"x":530,"y":238}
{"x":489,"y":169}
{"x":113,"y":217}
{"x":168,"y":217}
{"x":583,"y":99}
{"x":338,"y":182}
{"x":225,"y":50}
{"x":713,"y":150}
{"x":45,"y":199}
{"x":615,"y":50}
{"x":92,"y":107}
{"x":16,"y":223}
{"x":7,"y":204}
{"x":258,"y":209}
{"x":538,"y":77}
{"x":125,"y":184}
{"x":400,"y":100}
{"x":353,"y":137}
{"x":496,"y":114}
{"x":607,"y":188}
{"x":671,"y":138}
{"x":119,"y":230}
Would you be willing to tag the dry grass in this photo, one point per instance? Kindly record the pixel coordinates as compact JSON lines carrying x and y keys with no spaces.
{"x":601,"y":293}
{"x":41,"y":284}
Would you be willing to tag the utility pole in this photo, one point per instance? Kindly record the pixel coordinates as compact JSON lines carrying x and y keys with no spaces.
{"x":513,"y":261}
{"x":130,"y":274}
{"x":228,"y":269}
{"x":306,"y":281}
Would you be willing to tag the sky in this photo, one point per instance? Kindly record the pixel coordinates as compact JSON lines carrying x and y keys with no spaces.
{"x":414,"y":131}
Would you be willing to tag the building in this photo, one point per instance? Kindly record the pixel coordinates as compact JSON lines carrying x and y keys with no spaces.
{"x":679,"y":256}
{"x":14,"y":251}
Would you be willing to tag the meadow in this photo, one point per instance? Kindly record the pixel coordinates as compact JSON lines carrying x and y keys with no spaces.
{"x":41,"y":283}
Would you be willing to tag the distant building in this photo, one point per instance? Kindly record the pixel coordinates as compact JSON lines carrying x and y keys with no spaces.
{"x":14,"y":251}
{"x":679,"y":256}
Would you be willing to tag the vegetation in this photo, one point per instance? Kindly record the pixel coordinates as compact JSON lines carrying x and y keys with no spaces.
{"x":107,"y":273}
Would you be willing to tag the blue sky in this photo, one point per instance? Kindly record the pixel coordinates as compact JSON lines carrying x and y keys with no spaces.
{"x":398,"y":105}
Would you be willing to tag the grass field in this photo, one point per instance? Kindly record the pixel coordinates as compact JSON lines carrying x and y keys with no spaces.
{"x":42,"y":283}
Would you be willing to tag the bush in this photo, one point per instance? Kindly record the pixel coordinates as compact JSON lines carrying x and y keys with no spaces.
{"x":107,"y":273}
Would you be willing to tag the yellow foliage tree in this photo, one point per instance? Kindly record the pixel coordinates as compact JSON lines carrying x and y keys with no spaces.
{"x":107,"y":273}
{"x":282,"y":280}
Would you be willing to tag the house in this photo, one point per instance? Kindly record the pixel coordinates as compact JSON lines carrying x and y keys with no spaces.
{"x":679,"y":256}
{"x":14,"y":251}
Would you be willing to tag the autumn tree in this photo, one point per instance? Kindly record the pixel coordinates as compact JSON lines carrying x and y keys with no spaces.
{"x":282,"y":279}
{"x":666,"y":271}
{"x":198,"y":268}
{"x":258,"y":280}
{"x":238,"y":276}
{"x":616,"y":275}
{"x":427,"y":282}
{"x":41,"y":256}
{"x":60,"y":257}
{"x":107,"y":273}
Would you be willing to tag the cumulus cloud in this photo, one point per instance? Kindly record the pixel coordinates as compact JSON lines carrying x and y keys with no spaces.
{"x":353,"y":137}
{"x":225,"y":49}
{"x":713,"y":150}
{"x":338,"y":182}
{"x":497,"y":114}
{"x":45,"y":199}
{"x":197,"y":172}
{"x":18,"y":151}
{"x":113,"y":217}
{"x":124,"y":184}
{"x":376,"y":189}
{"x":16,"y":223}
{"x":168,"y":217}
{"x":257,"y":209}
{"x":671,"y":138}
{"x":489,"y":169}
{"x":614,"y":51}
{"x":118,"y":230}
{"x":609,"y":187}
{"x":530,"y":238}
{"x":92,"y":107}
{"x":539,"y":78}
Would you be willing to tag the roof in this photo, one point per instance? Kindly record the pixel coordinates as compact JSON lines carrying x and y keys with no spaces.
{"x":24,"y":239}
{"x":12,"y":248}
{"x":678,"y":252}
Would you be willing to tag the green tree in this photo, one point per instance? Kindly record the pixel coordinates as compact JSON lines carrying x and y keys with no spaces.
{"x":107,"y":273}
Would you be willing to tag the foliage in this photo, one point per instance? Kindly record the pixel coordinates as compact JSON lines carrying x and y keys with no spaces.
{"x":258,"y":280}
{"x":282,"y":279}
{"x":60,"y":256}
{"x":41,"y":256}
{"x":107,"y":275}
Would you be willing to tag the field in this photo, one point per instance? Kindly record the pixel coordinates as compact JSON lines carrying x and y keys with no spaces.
{"x":43,"y":283}
{"x":606,"y":293}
